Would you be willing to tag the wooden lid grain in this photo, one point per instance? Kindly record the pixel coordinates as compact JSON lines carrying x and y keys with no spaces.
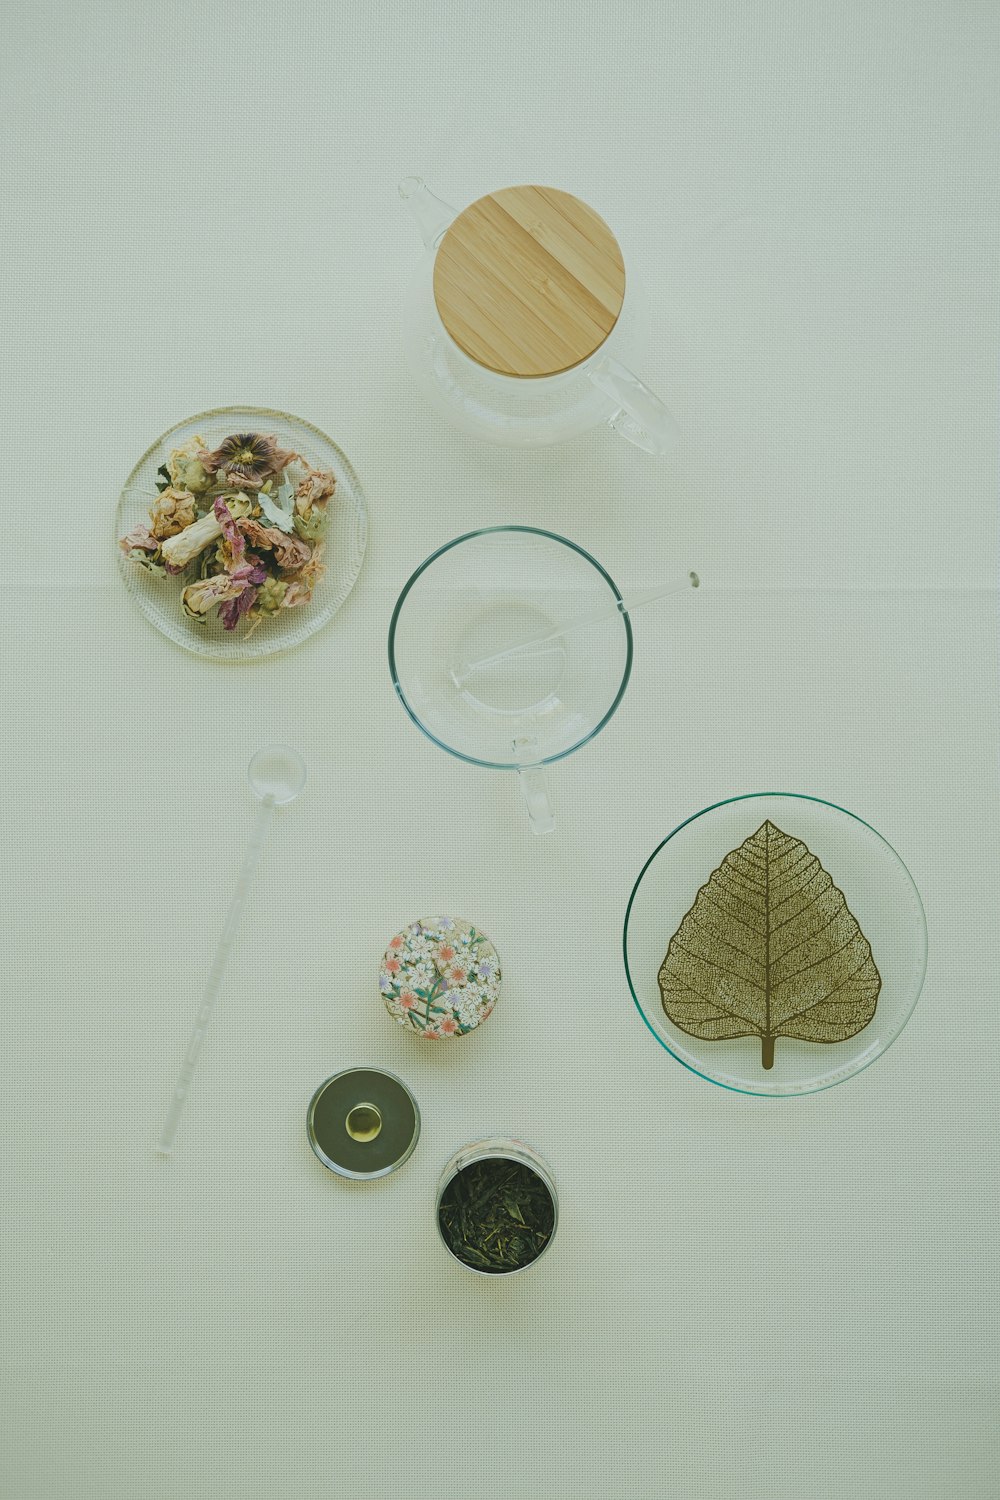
{"x":529,"y":281}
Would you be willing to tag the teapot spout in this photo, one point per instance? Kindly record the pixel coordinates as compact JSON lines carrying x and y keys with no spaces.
{"x":432,"y":214}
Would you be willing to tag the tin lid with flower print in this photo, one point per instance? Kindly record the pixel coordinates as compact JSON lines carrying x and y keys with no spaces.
{"x":440,"y":977}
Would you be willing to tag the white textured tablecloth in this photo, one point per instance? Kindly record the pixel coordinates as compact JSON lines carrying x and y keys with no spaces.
{"x":792,"y":1301}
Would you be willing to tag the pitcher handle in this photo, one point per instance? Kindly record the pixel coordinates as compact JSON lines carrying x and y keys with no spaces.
{"x":534,"y":789}
{"x":641,"y":416}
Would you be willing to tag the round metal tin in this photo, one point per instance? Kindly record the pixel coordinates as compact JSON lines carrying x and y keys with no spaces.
{"x":503,"y":1148}
{"x":440,"y":977}
{"x":363,"y":1122}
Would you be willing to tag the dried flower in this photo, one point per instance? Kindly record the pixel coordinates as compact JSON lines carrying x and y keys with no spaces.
{"x":312,"y":525}
{"x":250,"y":578}
{"x":139,"y":539}
{"x":235,"y":592}
{"x":258,"y":547}
{"x":250,"y":482}
{"x":233,"y":547}
{"x":271,"y":595}
{"x":315,"y":489}
{"x":289,"y":553}
{"x":180,"y":457}
{"x":301,"y":587}
{"x":198,"y":598}
{"x":192,"y":475}
{"x":246,"y":459}
{"x":237,"y":504}
{"x":172,"y":512}
{"x":256,"y":534}
{"x":178,"y":550}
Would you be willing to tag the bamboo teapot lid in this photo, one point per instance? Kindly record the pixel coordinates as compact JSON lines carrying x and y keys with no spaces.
{"x":529,"y":281}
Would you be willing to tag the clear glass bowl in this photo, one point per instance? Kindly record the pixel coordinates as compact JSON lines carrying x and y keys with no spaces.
{"x":159,"y":598}
{"x":879,"y":893}
{"x":475,"y":599}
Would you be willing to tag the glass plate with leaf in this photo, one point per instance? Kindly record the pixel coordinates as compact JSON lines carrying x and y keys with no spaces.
{"x":775,"y":944}
{"x":240,"y":532}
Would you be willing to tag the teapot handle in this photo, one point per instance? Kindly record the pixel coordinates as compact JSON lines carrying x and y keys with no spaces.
{"x":641,"y":416}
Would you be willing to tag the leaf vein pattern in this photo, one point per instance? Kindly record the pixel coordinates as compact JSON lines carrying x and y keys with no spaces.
{"x":730,"y":973}
{"x":825,"y":999}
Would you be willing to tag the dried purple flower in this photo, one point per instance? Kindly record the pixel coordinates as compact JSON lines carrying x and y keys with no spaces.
{"x":198,"y":598}
{"x":235,"y":545}
{"x":234,"y":609}
{"x":246,"y":459}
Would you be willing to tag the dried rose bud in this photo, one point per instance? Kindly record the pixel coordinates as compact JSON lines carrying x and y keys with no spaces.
{"x":172,"y":512}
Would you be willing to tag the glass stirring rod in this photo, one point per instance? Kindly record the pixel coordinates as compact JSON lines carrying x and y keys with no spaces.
{"x":533,"y":647}
{"x":277,"y":775}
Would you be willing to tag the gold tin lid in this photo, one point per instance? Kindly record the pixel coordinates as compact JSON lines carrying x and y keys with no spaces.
{"x":529,"y":281}
{"x":363,"y":1122}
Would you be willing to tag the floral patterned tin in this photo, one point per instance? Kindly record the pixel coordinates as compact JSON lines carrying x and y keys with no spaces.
{"x":440,"y":977}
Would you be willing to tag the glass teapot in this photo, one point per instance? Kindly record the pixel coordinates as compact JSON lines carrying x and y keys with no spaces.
{"x":518,"y":317}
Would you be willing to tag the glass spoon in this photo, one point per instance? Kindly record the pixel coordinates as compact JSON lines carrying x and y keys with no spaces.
{"x":277,"y":775}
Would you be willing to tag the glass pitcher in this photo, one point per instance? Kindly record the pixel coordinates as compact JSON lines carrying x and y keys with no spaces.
{"x":518,"y":319}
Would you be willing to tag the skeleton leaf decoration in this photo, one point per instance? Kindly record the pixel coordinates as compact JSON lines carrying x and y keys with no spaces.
{"x":769,"y":949}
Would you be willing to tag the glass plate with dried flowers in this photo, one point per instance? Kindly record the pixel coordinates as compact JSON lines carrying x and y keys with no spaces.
{"x":241,"y":531}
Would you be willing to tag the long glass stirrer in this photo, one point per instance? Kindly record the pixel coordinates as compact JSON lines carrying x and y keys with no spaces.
{"x":277,"y":775}
{"x":537,"y":645}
